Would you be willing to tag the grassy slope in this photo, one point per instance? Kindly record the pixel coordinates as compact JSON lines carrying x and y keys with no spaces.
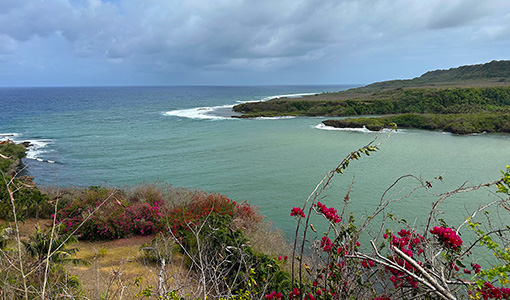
{"x":478,"y":90}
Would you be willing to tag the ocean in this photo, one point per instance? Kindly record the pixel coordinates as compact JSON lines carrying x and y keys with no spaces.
{"x":185,"y":136}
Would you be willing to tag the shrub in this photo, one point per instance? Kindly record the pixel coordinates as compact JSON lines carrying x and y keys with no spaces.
{"x":117,"y":218}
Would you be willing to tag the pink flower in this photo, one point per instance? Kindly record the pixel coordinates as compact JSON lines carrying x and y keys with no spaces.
{"x":295,"y":292}
{"x":448,"y":237}
{"x":297,"y":211}
{"x":326,"y":244}
{"x":274,"y":295}
{"x":476,"y":267}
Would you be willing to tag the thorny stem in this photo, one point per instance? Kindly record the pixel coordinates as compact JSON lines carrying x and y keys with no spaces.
{"x":443,"y":293}
{"x":51,"y":243}
{"x":461,"y":189}
{"x":18,"y":240}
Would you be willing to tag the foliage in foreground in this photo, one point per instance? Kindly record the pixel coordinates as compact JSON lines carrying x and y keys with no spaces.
{"x":385,"y":257}
{"x":338,"y":256}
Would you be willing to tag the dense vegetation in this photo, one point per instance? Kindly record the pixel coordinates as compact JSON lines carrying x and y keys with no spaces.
{"x":11,"y":155}
{"x":30,"y":201}
{"x":454,"y":123}
{"x":421,"y":95}
{"x":437,"y":101}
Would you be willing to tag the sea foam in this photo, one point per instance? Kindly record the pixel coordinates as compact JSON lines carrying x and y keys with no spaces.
{"x":224,"y":112}
{"x":321,"y":126}
{"x":201,"y":113}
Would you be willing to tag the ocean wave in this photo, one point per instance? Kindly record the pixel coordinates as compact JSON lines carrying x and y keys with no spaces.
{"x":225,"y":112}
{"x":321,"y":126}
{"x":203,"y":113}
{"x":9,"y":135}
{"x":36,"y":149}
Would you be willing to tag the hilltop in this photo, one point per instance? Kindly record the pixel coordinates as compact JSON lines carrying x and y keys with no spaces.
{"x":481,"y":91}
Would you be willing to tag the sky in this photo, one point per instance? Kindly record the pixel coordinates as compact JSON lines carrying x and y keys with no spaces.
{"x":244,"y":42}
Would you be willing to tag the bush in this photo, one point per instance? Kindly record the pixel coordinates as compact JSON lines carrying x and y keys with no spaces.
{"x":110,"y":215}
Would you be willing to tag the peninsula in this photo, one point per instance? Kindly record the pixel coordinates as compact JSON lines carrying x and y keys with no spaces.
{"x":467,"y":99}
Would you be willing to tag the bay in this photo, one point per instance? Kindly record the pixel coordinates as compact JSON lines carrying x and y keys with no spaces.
{"x":120,"y":136}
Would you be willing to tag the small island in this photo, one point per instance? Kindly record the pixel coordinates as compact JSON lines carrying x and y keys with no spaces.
{"x":463,"y":100}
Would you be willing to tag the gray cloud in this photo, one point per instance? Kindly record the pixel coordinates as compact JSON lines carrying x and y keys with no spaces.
{"x":166,"y":35}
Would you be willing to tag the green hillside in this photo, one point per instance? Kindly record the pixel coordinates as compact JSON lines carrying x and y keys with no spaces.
{"x":477,"y":89}
{"x":494,"y":73}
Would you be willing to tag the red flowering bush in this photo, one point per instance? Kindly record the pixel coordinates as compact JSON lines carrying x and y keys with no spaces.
{"x":117,"y":218}
{"x":404,"y":265}
{"x":144,"y":213}
{"x":410,"y":243}
{"x":489,"y":291}
{"x":202,"y":204}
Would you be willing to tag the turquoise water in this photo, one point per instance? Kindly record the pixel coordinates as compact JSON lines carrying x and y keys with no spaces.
{"x":180,"y":135}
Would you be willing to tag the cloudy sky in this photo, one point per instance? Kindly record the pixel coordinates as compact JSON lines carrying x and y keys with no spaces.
{"x":244,"y":42}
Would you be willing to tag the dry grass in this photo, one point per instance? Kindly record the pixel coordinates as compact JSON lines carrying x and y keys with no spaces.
{"x":113,"y":266}
{"x":116,"y":265}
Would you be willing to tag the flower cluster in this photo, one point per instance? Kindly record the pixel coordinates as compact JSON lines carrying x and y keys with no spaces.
{"x":410,"y":243}
{"x":329,"y":213}
{"x":407,"y":240}
{"x":476,"y":267}
{"x":382,"y":297}
{"x":367,"y":263}
{"x":448,"y":237}
{"x":297,"y":211}
{"x":489,"y":291}
{"x":295,"y":293}
{"x":274,"y":295}
{"x":326,"y":244}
